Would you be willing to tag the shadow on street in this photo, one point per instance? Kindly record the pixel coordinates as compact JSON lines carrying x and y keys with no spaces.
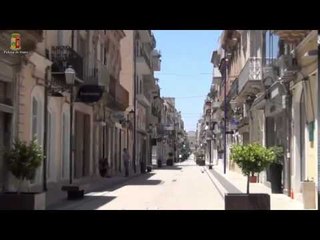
{"x":168,"y":168}
{"x":227,"y":185}
{"x":139,"y":180}
{"x":93,"y":202}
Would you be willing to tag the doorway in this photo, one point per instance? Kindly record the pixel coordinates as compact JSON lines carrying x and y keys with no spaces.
{"x":5,"y":139}
{"x":82,"y":145}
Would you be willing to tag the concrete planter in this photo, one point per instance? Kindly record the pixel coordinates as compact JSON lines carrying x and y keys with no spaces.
{"x":275,"y":176}
{"x":23,"y":201}
{"x":309,"y":195}
{"x":170,"y":162}
{"x":243,"y":201}
{"x":159,"y":163}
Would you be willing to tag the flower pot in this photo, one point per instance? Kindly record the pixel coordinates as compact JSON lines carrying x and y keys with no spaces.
{"x":23,"y":201}
{"x":253,"y":179}
{"x":243,"y":201}
{"x":309,"y":195}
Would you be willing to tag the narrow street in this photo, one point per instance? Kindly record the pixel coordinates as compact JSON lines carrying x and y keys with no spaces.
{"x":184,"y":186}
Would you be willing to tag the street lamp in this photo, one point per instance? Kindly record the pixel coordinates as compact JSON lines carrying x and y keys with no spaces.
{"x":70,"y":80}
{"x":225,"y":118}
{"x":209,"y":137}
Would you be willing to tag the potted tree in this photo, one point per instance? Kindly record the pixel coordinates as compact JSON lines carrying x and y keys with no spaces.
{"x":170,"y":159}
{"x":23,"y":160}
{"x":251,"y":158}
{"x":275,"y":170}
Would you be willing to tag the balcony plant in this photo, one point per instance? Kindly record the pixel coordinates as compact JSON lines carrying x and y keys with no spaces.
{"x":251,"y":158}
{"x":23,"y":160}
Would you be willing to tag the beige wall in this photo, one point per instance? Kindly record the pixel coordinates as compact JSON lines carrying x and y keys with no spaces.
{"x":127,"y":62}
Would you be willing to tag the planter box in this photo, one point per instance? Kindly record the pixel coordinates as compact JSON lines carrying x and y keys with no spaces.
{"x":275,"y":176}
{"x":159,"y":163}
{"x":201,"y":162}
{"x":309,"y":195}
{"x":22,"y":201}
{"x":170,"y":162}
{"x":243,"y":201}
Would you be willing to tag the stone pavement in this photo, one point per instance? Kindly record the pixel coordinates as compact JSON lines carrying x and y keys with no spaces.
{"x":94,"y":185}
{"x":184,"y":186}
{"x":233,"y":182}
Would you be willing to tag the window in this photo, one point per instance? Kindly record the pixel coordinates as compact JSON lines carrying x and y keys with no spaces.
{"x":105,"y":56}
{"x":98,"y":49}
{"x":36,"y":129}
{"x":65,"y":144}
{"x":50,"y":146}
{"x":34,"y":117}
{"x":272,"y":46}
{"x":60,"y":37}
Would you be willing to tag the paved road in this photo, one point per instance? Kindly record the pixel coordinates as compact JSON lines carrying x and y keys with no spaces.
{"x":182,"y":187}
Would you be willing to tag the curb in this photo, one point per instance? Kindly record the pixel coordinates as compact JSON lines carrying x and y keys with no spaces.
{"x":222,"y":191}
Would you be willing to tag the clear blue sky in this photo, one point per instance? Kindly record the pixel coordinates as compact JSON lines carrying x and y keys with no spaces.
{"x":186,"y":70}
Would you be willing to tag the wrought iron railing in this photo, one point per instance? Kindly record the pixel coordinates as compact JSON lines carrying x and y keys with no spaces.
{"x":64,"y":56}
{"x":251,"y":71}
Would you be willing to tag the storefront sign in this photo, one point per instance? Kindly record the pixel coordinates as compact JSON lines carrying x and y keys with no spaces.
{"x":89,"y":93}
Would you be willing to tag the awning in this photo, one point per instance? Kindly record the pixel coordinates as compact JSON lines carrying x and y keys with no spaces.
{"x":6,"y":108}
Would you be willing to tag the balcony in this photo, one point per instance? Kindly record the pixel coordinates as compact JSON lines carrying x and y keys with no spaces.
{"x":62,"y":57}
{"x":143,"y":100}
{"x":143,"y":63}
{"x":288,"y":67}
{"x":99,"y":76}
{"x":156,"y":55}
{"x":292,"y":36}
{"x":250,"y":78}
{"x":216,"y":105}
{"x":118,"y":97}
{"x":145,"y":36}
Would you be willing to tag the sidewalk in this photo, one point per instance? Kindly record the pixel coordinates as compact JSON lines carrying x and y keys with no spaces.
{"x":93,"y":186}
{"x":233,"y":182}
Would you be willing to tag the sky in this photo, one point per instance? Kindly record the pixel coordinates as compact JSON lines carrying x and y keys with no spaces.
{"x":186,"y":70}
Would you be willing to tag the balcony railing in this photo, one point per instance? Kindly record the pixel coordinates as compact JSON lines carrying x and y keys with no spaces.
{"x":251,"y":72}
{"x":143,"y":54}
{"x":63,"y":56}
{"x":99,"y":76}
{"x":118,"y":97}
